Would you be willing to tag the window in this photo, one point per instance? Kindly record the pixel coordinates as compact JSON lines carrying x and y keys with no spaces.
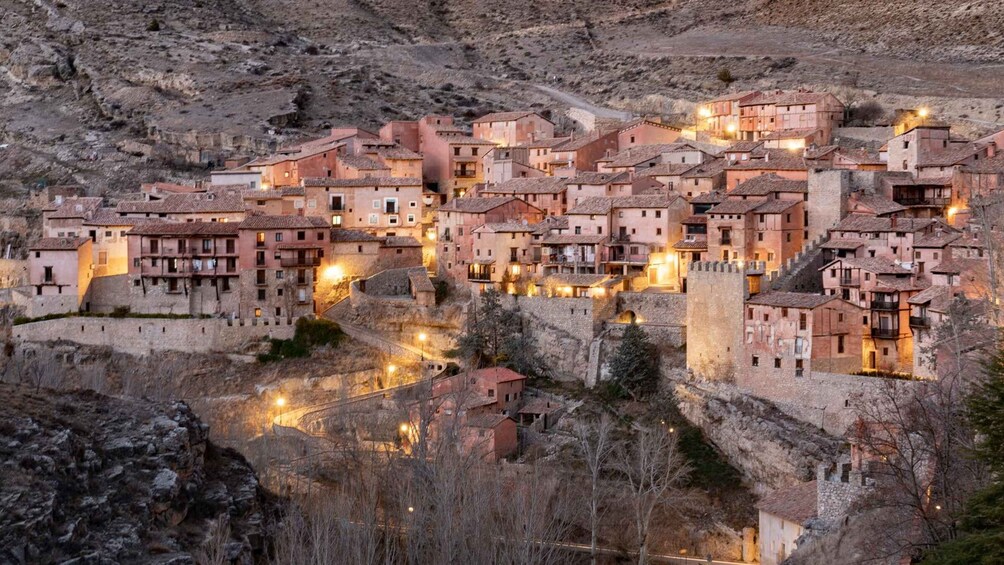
{"x":279,"y":274}
{"x":47,"y":276}
{"x":207,"y":245}
{"x":840,"y":344}
{"x":278,"y":311}
{"x":749,"y":313}
{"x":803,"y":321}
{"x":261,"y":294}
{"x":154,"y":245}
{"x":301,"y":236}
{"x":456,"y":151}
{"x":102,"y":257}
{"x":257,"y":312}
{"x":756,"y":361}
{"x":777,"y":362}
{"x":259,"y":239}
{"x":278,"y":236}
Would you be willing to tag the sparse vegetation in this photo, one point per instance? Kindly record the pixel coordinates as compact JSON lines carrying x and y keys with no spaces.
{"x":310,"y":333}
{"x":154,"y":25}
{"x":725,"y":76}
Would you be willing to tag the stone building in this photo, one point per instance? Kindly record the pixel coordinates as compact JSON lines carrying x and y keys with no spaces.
{"x":279,"y":260}
{"x":184,"y":268}
{"x":382,"y":206}
{"x":59,"y":275}
{"x":716,"y":296}
{"x":508,"y":129}
{"x":784,"y":515}
{"x":457,"y":220}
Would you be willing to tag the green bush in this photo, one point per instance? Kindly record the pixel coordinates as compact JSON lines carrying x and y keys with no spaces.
{"x":309,"y":334}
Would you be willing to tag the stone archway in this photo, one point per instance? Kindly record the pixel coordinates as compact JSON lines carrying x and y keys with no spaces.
{"x":627,"y":317}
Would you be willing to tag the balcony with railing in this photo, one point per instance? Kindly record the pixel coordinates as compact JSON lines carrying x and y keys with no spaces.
{"x":464,"y":173}
{"x":564,"y":259}
{"x":885,"y":333}
{"x":885,"y":305}
{"x":725,"y":240}
{"x":917,"y":200}
{"x":616,"y":256}
{"x":849,"y":280}
{"x":479,"y":273}
{"x":298,"y":261}
{"x":920,"y":322}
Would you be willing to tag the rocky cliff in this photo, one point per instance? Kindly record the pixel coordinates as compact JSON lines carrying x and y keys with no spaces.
{"x":86,"y":478}
{"x":772,"y":449}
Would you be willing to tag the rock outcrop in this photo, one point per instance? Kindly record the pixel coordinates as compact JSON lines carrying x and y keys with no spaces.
{"x":86,"y":478}
{"x":772,"y":449}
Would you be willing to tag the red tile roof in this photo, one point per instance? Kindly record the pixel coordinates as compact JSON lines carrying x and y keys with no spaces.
{"x":793,"y":504}
{"x":283,"y":223}
{"x":59,"y":243}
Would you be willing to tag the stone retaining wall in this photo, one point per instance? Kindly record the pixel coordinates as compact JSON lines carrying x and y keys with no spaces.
{"x":141,"y":336}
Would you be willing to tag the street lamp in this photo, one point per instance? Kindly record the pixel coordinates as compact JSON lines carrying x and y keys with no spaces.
{"x":280,"y":402}
{"x":421,"y":340}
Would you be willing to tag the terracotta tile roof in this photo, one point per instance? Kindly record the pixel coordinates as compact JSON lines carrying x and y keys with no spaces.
{"x":361,"y":163}
{"x":506,"y":116}
{"x":708,"y":198}
{"x":604,"y":204}
{"x":901,"y":283}
{"x":958,"y":265}
{"x":496,"y":375}
{"x":169,"y":187}
{"x":197,"y":203}
{"x":947,"y":157}
{"x":790,"y":299}
{"x":936,"y":240}
{"x":642,"y":121}
{"x":735,"y":207}
{"x":59,"y":243}
{"x":77,"y":207}
{"x":551,"y":223}
{"x":539,"y":185}
{"x":272,"y":193}
{"x":507,"y":227}
{"x":109,"y":217}
{"x":875,"y":265}
{"x":667,"y":169}
{"x":186,"y":228}
{"x":693,"y":241}
{"x":706,"y":169}
{"x":295,"y":153}
{"x":774,"y":159}
{"x":793,"y":504}
{"x":937,"y":297}
{"x":371,"y":181}
{"x":641,"y":153}
{"x":476,"y":205}
{"x":863,"y":223}
{"x":572,"y":239}
{"x":547,"y":142}
{"x":787,"y":98}
{"x":463,"y":139}
{"x":860,"y":156}
{"x":396,"y":152}
{"x":813,"y":153}
{"x":734,"y":96}
{"x":400,"y":241}
{"x":341,"y":235}
{"x":283,"y":222}
{"x":991,"y":165}
{"x":776,"y":206}
{"x":540,"y":406}
{"x":879,"y":204}
{"x":580,"y":141}
{"x":770,"y":183}
{"x":592,"y":177}
{"x":841,"y":243}
{"x":696,"y":219}
{"x":744,"y":146}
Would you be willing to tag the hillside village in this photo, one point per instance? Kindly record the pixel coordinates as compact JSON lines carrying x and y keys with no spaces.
{"x":794,"y":259}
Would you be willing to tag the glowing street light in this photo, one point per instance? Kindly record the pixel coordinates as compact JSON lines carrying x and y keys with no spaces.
{"x":923,"y":112}
{"x":404,"y":428}
{"x":421,"y":340}
{"x":280,"y":402}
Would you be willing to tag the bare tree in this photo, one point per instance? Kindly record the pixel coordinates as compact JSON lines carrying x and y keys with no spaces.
{"x":595,"y":444}
{"x":653,"y":473}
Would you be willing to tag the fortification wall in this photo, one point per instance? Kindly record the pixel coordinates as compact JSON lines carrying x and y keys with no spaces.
{"x":772,"y":449}
{"x":663,"y":308}
{"x":716,"y":292}
{"x":142,"y":336}
{"x":825,"y":400}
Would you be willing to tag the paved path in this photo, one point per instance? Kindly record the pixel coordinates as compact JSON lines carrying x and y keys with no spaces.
{"x":583,"y":104}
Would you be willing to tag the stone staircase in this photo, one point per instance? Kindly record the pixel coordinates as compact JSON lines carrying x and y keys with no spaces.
{"x":801,"y":272}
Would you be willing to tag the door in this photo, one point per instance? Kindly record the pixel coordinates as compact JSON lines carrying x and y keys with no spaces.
{"x":871,"y":360}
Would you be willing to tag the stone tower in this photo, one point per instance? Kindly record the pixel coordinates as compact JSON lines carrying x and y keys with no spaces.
{"x":716,"y":294}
